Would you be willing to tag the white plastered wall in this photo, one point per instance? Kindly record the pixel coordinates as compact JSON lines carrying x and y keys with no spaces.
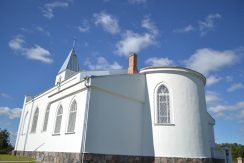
{"x":188,"y":135}
{"x":121,"y":117}
{"x":115,"y":115}
{"x":69,"y":90}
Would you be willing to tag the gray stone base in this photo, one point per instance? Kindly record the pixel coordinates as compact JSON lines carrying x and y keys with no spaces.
{"x":52,"y":157}
{"x":60,"y":157}
{"x":92,"y":158}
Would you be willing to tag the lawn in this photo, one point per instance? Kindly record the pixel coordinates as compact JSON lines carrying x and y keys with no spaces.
{"x":11,"y":158}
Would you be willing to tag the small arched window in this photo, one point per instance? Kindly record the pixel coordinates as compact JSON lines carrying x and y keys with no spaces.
{"x":34,"y":121}
{"x":58,"y":120}
{"x":46,"y":119}
{"x":163,"y":105}
{"x":72,"y":117}
{"x":24,"y":124}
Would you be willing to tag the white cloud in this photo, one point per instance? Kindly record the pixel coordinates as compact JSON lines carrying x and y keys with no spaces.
{"x":12,"y":113}
{"x":84,"y":27}
{"x":25,"y":30}
{"x":40,"y":29}
{"x":209,"y":60}
{"x":17,"y":43}
{"x":229,"y":78}
{"x":4,"y":95}
{"x":35,"y":29}
{"x":203,"y":26}
{"x":108,"y":22}
{"x":212,"y":79}
{"x":208,"y":24}
{"x":218,"y":110}
{"x":234,"y":87}
{"x":34,"y":53}
{"x":212,"y":98}
{"x":38,"y":53}
{"x":137,"y":1}
{"x":150,"y":26}
{"x":185,"y":29}
{"x":48,"y":8}
{"x":135,"y":42}
{"x":154,"y":61}
{"x":225,"y":110}
{"x":102,"y":64}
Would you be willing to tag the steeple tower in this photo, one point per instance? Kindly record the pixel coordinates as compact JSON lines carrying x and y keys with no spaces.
{"x":69,"y":68}
{"x":71,"y":62}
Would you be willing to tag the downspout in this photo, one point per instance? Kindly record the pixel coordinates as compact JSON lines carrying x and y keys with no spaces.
{"x":83,"y":143}
{"x":27,"y":132}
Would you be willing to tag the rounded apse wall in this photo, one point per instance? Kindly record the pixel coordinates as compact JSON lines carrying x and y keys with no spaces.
{"x":186,"y":133}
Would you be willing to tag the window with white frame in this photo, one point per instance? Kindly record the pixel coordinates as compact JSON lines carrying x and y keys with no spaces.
{"x":34,"y":121}
{"x":46,"y":119}
{"x":72,"y":117}
{"x":58,"y":120}
{"x":163,"y":105}
{"x":24,"y":125}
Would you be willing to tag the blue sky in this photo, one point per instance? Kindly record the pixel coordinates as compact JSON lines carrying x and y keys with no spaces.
{"x":205,"y":35}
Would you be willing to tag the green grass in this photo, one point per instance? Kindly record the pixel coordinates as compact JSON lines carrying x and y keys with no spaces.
{"x":6,"y":157}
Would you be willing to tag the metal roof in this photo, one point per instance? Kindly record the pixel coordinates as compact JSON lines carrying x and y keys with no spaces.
{"x":71,"y":62}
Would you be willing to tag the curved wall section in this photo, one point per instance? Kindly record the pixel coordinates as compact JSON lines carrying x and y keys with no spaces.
{"x":187,"y":134}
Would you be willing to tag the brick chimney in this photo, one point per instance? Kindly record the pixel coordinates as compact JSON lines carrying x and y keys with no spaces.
{"x":132,"y":69}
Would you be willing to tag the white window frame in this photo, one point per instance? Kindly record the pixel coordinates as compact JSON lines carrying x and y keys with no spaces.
{"x":35,"y":120}
{"x":46,"y":118}
{"x":69,"y":115}
{"x":156,"y":107}
{"x":56,"y":116}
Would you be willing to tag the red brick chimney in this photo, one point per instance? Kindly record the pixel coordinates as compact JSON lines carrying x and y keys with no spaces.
{"x":132,"y":69}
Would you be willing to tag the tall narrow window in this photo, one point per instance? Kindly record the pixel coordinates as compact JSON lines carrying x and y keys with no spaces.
{"x":46,"y":119}
{"x":72,"y":117}
{"x":24,"y":124}
{"x":163,"y":105}
{"x":34,"y":121}
{"x":58,"y":120}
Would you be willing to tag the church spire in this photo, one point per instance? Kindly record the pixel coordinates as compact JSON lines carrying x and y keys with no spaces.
{"x":69,"y":68}
{"x":74,"y":43}
{"x":71,"y":62}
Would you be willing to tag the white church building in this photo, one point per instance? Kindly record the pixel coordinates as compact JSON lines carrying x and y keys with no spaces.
{"x":155,"y":114}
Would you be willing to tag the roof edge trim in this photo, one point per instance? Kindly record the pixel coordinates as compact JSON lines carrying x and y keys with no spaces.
{"x":177,"y":69}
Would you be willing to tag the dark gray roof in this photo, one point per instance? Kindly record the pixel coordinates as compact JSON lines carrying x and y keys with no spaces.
{"x":71,"y":62}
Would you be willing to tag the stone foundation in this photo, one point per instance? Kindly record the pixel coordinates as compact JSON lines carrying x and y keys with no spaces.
{"x":52,"y":157}
{"x":61,"y":157}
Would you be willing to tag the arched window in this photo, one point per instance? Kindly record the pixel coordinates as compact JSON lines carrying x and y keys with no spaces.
{"x":34,"y":121}
{"x":46,"y":119}
{"x":163,"y":105}
{"x":58,"y":120}
{"x":72,"y":117}
{"x":24,"y":125}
